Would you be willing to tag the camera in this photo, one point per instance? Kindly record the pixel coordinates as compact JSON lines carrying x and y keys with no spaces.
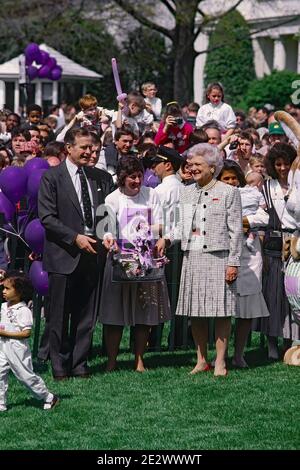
{"x":234,"y":145}
{"x":178,"y":120}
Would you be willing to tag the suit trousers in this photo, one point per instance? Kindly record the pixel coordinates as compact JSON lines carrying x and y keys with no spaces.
{"x":72,"y":316}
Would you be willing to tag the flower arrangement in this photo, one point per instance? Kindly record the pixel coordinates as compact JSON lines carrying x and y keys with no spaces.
{"x":139,"y":263}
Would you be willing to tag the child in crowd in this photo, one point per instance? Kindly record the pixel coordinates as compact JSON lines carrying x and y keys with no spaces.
{"x":133,"y":113}
{"x":34,"y":114}
{"x":153,"y":103}
{"x":252,"y":199}
{"x":217,"y":110}
{"x":15,"y":327}
{"x":90,"y":116}
{"x":257,"y":164}
{"x":174,"y":128}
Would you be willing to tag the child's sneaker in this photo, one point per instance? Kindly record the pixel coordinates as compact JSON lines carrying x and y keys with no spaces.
{"x":51,"y":404}
{"x":3,"y":408}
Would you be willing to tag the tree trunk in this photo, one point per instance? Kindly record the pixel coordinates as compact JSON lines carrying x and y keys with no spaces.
{"x":183,"y":49}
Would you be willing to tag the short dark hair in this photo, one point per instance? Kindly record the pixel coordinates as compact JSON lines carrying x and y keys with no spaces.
{"x":126,"y":166}
{"x":246,"y":135}
{"x":279,"y":150}
{"x":16,"y":116}
{"x":198,"y":136}
{"x":34,"y":107}
{"x":21,"y":283}
{"x":53,"y":149}
{"x":71,"y":134}
{"x":231,"y":165}
{"x":124,"y":130}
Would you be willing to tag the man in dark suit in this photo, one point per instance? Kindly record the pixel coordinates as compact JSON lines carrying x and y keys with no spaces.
{"x":68,"y":198}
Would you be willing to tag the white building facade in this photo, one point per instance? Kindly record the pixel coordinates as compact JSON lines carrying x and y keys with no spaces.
{"x":275,"y":28}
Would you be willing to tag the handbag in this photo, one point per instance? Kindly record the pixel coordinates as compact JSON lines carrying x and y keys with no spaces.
{"x":273,"y":239}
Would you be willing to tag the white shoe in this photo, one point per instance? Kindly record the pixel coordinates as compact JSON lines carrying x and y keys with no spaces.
{"x":3,"y":408}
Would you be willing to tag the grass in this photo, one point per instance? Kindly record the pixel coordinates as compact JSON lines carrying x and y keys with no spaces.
{"x":164,"y":408}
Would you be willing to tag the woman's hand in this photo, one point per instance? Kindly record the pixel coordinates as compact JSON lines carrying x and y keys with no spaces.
{"x":110,"y":244}
{"x":160,"y":247}
{"x":231,"y":274}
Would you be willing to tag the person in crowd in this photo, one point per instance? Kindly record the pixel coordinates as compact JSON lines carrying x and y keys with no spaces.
{"x":96,"y":149}
{"x":185,"y":172}
{"x":133,"y":113}
{"x":191,"y":115}
{"x":281,"y":225}
{"x":252,"y":200}
{"x":173,"y":127}
{"x":89,"y":116}
{"x":15,"y":329}
{"x":240,"y":119}
{"x":244,"y":150}
{"x":5,"y":157}
{"x":217,"y":110}
{"x":146,"y":152}
{"x":122,"y":145}
{"x":276,"y":133}
{"x":210,"y":230}
{"x":141,"y":305}
{"x":198,"y":136}
{"x":257,"y":164}
{"x":251,"y":303}
{"x":55,"y":149}
{"x":34,"y":115}
{"x":262,"y":117}
{"x":68,"y":197}
{"x":213,"y":132}
{"x":153,"y":103}
{"x":12,"y":121}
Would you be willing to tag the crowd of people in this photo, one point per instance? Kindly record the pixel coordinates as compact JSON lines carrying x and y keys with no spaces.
{"x":209,"y":177}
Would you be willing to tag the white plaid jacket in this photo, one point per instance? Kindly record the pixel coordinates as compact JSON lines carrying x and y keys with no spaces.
{"x":222,"y":221}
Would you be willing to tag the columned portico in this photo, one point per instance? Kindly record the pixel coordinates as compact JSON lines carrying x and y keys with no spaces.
{"x":279,"y":60}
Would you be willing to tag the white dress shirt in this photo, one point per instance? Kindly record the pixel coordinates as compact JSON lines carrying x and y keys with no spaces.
{"x":72,"y":169}
{"x":168,"y":192}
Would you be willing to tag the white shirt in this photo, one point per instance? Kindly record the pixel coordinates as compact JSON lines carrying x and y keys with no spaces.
{"x":17,"y":317}
{"x":280,"y":206}
{"x":252,"y":199}
{"x":168,"y":192}
{"x":137,"y":123}
{"x":222,"y":113}
{"x":73,"y":172}
{"x":128,"y":211}
{"x":155,"y":105}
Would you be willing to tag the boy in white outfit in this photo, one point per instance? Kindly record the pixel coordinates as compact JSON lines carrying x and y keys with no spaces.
{"x":15,"y":327}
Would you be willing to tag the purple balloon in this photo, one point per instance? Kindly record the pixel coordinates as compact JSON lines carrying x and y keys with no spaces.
{"x":33,"y":183}
{"x":32,"y":51}
{"x":56,"y":73}
{"x":35,"y":236}
{"x":6,"y":207}
{"x":44,"y":56}
{"x":28,"y":61}
{"x":51,"y":63}
{"x":13,"y":181}
{"x":32,"y":72}
{"x":39,"y":278}
{"x":44,"y":71}
{"x":35,"y":164}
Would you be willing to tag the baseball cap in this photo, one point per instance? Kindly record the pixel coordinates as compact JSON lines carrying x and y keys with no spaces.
{"x":275,"y":129}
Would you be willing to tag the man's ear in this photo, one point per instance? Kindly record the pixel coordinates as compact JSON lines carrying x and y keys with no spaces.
{"x":68,"y":147}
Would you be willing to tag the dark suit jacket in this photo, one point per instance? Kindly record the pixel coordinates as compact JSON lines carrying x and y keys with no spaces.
{"x":60,"y":213}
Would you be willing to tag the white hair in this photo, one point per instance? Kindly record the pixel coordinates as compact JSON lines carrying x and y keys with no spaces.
{"x":210,"y":154}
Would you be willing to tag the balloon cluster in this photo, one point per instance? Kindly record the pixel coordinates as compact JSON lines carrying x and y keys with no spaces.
{"x":48,"y":65}
{"x":15,"y":183}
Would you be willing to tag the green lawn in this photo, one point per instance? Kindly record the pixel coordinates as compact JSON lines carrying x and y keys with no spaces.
{"x":164,"y":408}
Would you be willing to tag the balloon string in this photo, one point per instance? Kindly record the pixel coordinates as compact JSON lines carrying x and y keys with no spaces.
{"x":16,"y":234}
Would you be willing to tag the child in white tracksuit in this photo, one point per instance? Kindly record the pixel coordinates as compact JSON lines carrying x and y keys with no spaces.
{"x":15,"y":355}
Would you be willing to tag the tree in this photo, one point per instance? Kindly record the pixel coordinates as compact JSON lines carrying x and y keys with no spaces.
{"x":64,"y":26}
{"x":189,"y":20}
{"x":275,"y":88}
{"x":142,"y":67}
{"x":232,"y":64}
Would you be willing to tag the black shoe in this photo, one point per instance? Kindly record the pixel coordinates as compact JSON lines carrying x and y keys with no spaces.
{"x":52,"y":404}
